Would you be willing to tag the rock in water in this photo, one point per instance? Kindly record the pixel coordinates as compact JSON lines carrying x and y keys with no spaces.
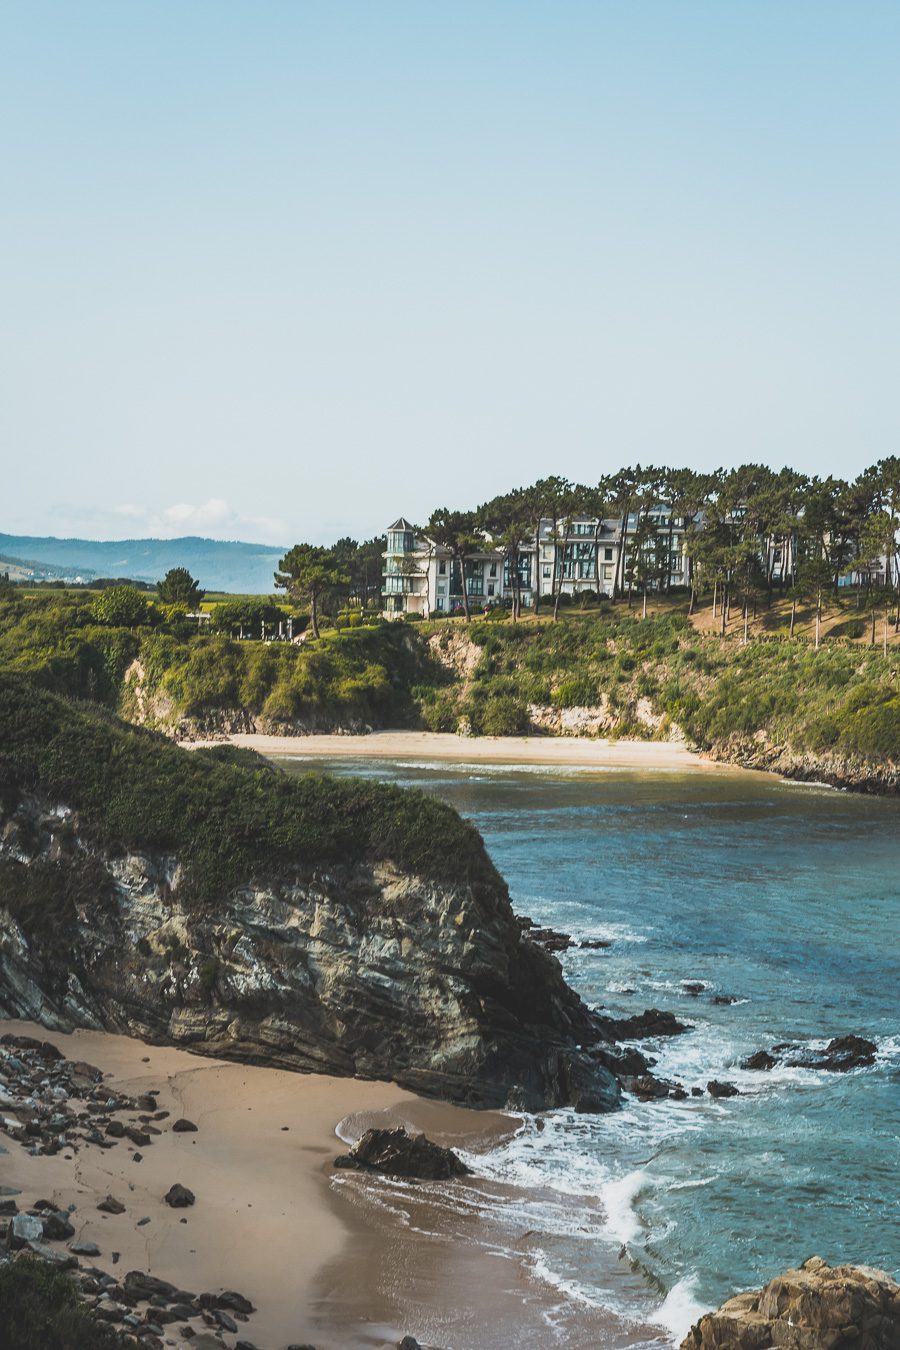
{"x":847,"y":1052}
{"x":651,"y":1022}
{"x":399,"y":1154}
{"x":178,"y":1196}
{"x":818,"y":1307}
{"x":717,"y":1089}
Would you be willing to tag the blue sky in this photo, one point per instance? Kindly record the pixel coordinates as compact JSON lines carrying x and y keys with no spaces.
{"x":283,"y":270}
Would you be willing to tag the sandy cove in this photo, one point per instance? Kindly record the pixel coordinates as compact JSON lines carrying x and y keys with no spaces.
{"x":333,"y":1259}
{"x":559,"y":751}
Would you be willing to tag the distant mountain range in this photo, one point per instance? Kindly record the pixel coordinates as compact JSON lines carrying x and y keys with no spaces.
{"x":218,"y":564}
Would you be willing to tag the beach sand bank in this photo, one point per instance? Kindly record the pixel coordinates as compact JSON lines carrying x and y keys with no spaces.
{"x":561,"y":751}
{"x":329,"y":1258}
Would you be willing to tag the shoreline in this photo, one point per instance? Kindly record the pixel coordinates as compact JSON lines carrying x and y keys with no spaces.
{"x":560,"y":751}
{"x":334,"y":1259}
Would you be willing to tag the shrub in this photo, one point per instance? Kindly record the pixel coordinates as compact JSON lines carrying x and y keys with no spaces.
{"x":503,"y":716}
{"x":121,"y":607}
{"x":40,"y":1310}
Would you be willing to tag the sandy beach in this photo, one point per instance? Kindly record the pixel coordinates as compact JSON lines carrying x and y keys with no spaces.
{"x":561,"y":751}
{"x":333,"y":1259}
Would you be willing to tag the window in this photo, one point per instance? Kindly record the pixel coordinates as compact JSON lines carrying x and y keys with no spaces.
{"x":607,"y":554}
{"x":546,"y":573}
{"x":491,"y":588}
{"x":442,"y":587}
{"x":442,"y":568}
{"x":607,"y":574}
{"x":493,"y":572}
{"x":440,"y":602}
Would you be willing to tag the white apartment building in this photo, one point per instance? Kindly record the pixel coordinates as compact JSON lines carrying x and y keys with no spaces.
{"x":421,"y":577}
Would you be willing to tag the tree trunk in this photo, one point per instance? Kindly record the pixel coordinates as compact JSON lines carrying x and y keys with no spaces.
{"x":746,"y":623}
{"x":793,"y":615}
{"x":723,"y":607}
{"x":715,"y":596}
{"x":818,"y":617}
{"x":885,"y":633}
{"x":692,"y":606}
{"x":644,"y":609}
{"x":314,"y":613}
{"x":465,"y":589}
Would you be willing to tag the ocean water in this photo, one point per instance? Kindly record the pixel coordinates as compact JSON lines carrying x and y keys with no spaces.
{"x":783,"y":896}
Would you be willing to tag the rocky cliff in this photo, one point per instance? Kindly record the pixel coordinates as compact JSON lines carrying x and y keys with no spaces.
{"x":328,"y":936}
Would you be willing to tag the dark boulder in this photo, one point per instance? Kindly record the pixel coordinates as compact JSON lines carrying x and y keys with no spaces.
{"x":621,"y":1062}
{"x":717,"y":1089}
{"x":178,"y":1196}
{"x":183,"y":1127}
{"x":647,"y":1088}
{"x":651,"y":1022}
{"x":141,"y":1286}
{"x":760,"y":1060}
{"x":847,"y":1052}
{"x":57,"y":1227}
{"x":398,"y":1154}
{"x":111,"y":1206}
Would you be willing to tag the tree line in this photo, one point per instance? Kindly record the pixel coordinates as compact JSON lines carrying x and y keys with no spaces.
{"x":747,"y":532}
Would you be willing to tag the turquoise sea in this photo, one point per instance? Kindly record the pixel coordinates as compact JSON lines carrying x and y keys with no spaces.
{"x":783,"y":896}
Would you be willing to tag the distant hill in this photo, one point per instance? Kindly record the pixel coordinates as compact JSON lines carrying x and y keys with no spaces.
{"x":29,"y":569}
{"x":219,"y":565}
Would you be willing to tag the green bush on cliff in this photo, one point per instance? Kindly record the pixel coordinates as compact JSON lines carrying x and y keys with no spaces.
{"x":228,"y":823}
{"x":40,"y":1310}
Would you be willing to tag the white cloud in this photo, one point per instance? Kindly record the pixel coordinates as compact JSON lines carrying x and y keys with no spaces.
{"x":213,"y":518}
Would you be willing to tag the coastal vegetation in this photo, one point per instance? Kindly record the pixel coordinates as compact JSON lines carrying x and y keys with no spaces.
{"x":226,"y":819}
{"x":41,"y":1310}
{"x":604,"y":670}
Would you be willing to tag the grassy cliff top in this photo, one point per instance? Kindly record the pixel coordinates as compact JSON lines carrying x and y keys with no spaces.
{"x":229,"y":822}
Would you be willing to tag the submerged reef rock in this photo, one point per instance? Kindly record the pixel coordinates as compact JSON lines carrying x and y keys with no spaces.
{"x":313,"y":923}
{"x":839,"y":1056}
{"x":817,"y":1307}
{"x":398,"y":1154}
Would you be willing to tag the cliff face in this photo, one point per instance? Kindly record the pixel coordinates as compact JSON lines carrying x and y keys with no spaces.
{"x":853,"y":773}
{"x":349,"y":968}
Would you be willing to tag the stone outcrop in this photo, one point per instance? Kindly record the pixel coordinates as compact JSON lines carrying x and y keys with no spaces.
{"x":854,"y":773}
{"x":359,"y":969}
{"x":840,"y":1055}
{"x":398,"y":1154}
{"x":817,"y":1307}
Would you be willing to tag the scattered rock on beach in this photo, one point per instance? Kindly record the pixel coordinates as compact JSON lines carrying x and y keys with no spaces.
{"x":23,"y":1228}
{"x":409,"y":1343}
{"x":398,"y":1154}
{"x":178,"y":1196}
{"x":816,"y":1307}
{"x":111,"y":1206}
{"x":183,"y":1126}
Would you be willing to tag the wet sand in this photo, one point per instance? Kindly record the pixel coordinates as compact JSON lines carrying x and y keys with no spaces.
{"x":336,"y":1259}
{"x":563,"y":751}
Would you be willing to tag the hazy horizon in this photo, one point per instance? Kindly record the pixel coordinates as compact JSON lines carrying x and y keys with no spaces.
{"x":284,"y":271}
